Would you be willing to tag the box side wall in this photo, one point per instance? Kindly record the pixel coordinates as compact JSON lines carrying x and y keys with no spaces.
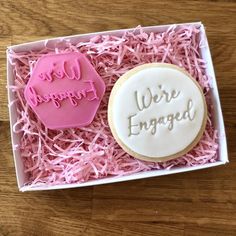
{"x":108,"y":180}
{"x":217,"y":112}
{"x":15,"y":140}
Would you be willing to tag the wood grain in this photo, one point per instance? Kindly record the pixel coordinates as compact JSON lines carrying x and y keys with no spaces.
{"x":195,"y":203}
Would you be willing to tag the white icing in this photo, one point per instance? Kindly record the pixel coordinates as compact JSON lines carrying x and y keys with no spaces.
{"x":167,"y":139}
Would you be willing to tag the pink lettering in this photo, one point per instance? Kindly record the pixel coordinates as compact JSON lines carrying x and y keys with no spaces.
{"x":33,"y":97}
{"x":67,"y":69}
{"x":58,"y":74}
{"x":92,"y":90}
{"x":72,"y":71}
{"x":46,"y":98}
{"x":71,"y":96}
{"x":42,"y":76}
{"x":56,"y":98}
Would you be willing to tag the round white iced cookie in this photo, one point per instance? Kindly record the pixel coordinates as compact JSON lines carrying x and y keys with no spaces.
{"x":157,"y":112}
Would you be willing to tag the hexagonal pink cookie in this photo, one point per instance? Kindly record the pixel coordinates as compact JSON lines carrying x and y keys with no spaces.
{"x":64,"y":90}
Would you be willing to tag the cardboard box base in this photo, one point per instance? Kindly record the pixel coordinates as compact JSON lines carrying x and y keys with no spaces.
{"x":217,"y":113}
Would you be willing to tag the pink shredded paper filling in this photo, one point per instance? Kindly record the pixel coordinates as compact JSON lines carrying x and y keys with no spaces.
{"x":80,"y":154}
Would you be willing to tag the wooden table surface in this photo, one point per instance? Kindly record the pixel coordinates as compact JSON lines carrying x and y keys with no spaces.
{"x":195,"y":203}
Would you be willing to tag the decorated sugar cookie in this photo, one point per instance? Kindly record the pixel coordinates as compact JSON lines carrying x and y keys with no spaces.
{"x":157,"y":112}
{"x":64,"y":90}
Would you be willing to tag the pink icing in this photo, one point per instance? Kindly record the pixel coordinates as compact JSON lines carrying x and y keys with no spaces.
{"x":64,"y":90}
{"x":54,"y":157}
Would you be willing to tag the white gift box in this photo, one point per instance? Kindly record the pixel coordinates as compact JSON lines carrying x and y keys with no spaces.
{"x":217,"y":113}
